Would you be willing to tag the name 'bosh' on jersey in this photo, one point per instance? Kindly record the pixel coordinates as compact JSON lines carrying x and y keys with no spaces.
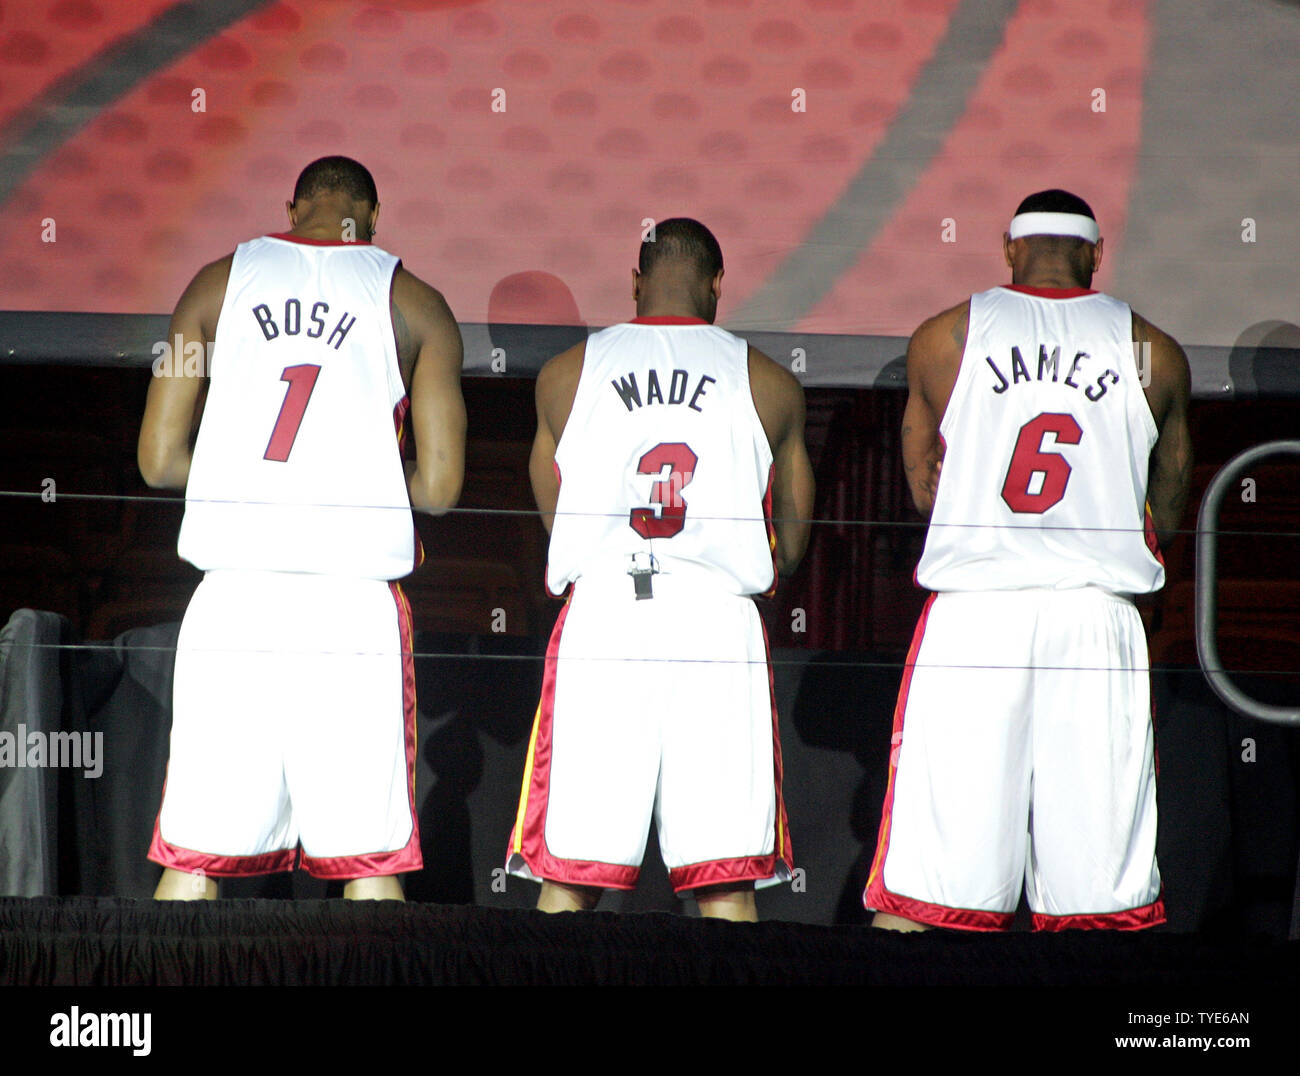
{"x":664,"y":454}
{"x":297,"y":466}
{"x":1047,"y":440}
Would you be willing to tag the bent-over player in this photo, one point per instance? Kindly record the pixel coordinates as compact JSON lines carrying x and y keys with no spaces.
{"x":294,"y":702}
{"x":1045,"y":435}
{"x":664,"y":446}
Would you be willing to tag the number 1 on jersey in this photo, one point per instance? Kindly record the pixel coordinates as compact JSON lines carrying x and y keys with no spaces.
{"x":666,"y":514}
{"x":302,"y":380}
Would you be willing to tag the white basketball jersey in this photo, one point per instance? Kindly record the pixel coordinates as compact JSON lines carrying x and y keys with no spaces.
{"x":1047,"y":439}
{"x":664,"y":454}
{"x":297,"y":467}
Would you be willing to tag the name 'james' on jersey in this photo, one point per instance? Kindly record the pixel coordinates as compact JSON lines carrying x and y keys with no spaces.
{"x":664,"y":454}
{"x":1047,"y":440}
{"x":297,"y":466}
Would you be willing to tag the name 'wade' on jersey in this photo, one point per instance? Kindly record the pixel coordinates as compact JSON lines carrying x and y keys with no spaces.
{"x":664,"y":454}
{"x":297,"y":466}
{"x":1047,"y":437}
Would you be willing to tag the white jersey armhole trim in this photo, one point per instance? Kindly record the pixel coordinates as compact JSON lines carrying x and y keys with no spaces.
{"x":751,"y":408}
{"x":958,"y":386}
{"x":225,"y":306}
{"x":395,"y":384}
{"x":573,"y":405}
{"x":1148,"y":419}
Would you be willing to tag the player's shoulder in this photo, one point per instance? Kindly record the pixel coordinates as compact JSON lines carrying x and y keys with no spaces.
{"x":421,"y":307}
{"x":767,"y":374}
{"x":561,"y":371}
{"x":1170,"y":371}
{"x":942,"y":332}
{"x":408,"y":286}
{"x":208,"y":285}
{"x":217,"y":270}
{"x":777,"y":396}
{"x":1146,"y":331}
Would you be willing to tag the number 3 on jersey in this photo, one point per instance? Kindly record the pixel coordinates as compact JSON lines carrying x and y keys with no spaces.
{"x":666,"y":514}
{"x":1029,"y":460}
{"x":302,"y":380}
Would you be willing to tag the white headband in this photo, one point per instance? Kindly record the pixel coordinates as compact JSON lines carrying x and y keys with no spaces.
{"x":1053,"y":224}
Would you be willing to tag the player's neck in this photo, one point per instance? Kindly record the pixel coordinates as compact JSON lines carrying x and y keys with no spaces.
{"x":670,"y":306}
{"x":1049,"y":276}
{"x":672,"y":312}
{"x":345,"y":230}
{"x":327,"y":235}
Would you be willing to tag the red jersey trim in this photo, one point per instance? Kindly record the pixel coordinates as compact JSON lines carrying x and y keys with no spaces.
{"x":1050,"y":293}
{"x":1149,"y":533}
{"x":771,"y":532}
{"x":937,"y":915}
{"x":288,"y":238}
{"x":184,"y":859}
{"x":371,"y":865}
{"x":176,"y":858}
{"x":1149,"y":915}
{"x":668,"y":319}
{"x":723,"y":872}
{"x":400,"y":410}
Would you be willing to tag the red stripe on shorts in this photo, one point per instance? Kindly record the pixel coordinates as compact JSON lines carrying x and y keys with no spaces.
{"x":749,"y":868}
{"x":876,"y":895}
{"x":1149,"y":915}
{"x":528,"y":838}
{"x":407,"y":858}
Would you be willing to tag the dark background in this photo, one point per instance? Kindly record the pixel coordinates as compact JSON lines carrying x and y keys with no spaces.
{"x":108,"y":569}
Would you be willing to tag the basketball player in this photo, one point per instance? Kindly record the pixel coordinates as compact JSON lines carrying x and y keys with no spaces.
{"x":662,"y":444}
{"x":1055,"y":415}
{"x":294,"y":710}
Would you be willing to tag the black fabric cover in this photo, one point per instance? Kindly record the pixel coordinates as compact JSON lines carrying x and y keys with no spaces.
{"x":110,"y":942}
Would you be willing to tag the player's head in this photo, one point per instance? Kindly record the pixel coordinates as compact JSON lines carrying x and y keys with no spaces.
{"x":679,"y":270}
{"x":1053,"y":241}
{"x":333,"y":190}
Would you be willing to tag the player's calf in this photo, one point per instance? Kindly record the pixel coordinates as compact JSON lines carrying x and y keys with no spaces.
{"x":557,"y":897}
{"x":734,"y":902}
{"x":185,"y":885}
{"x":381,"y":887}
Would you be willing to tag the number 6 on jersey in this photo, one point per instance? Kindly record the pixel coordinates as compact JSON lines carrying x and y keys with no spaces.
{"x":1029,"y":460}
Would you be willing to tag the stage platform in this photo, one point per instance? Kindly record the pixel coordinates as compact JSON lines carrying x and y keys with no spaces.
{"x":111,"y":942}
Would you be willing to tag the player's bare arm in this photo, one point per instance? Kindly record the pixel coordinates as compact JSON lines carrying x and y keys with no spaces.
{"x":779,"y":401}
{"x":431,"y":353}
{"x":557,"y":384}
{"x":177,"y":390}
{"x":1170,"y":472}
{"x":933,"y":358}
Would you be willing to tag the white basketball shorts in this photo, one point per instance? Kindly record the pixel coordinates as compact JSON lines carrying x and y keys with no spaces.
{"x":293,"y":725}
{"x":655,"y":709}
{"x":1023,"y":754}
